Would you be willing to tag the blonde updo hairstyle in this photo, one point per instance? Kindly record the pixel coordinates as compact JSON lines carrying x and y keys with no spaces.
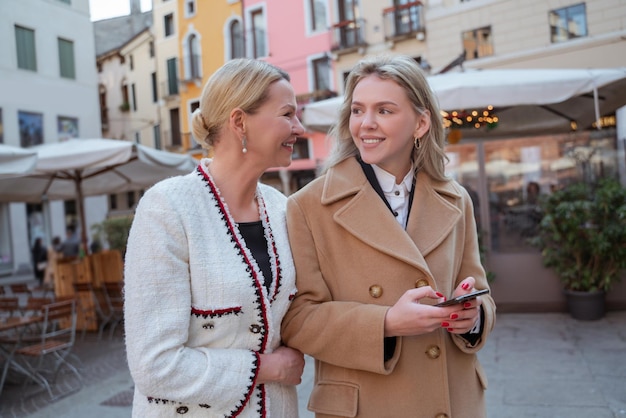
{"x":240,"y":83}
{"x":404,"y":71}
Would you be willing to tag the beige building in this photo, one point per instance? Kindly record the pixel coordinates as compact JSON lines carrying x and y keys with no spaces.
{"x":166,"y":44}
{"x":139,"y":88}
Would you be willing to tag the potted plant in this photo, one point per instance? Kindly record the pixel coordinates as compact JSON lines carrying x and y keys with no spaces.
{"x":582,"y":236}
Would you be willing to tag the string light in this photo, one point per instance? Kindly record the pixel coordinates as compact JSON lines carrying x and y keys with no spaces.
{"x":470,"y":119}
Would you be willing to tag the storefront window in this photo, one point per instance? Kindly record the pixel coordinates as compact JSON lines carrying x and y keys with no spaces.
{"x":517,"y":172}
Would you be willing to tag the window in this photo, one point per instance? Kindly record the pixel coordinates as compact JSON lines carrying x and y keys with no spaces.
{"x":478,"y":43}
{"x":192,"y":58}
{"x":156,"y":131}
{"x":25,"y":46}
{"x":31,"y":128}
{"x":131,"y":62}
{"x":151,"y":46}
{"x":190,"y":8}
{"x":317,"y":15}
{"x":66,"y":59}
{"x":517,"y":171}
{"x":175,"y":127}
{"x":125,"y":106}
{"x":133,"y":92}
{"x":568,"y":23}
{"x":168,"y":22}
{"x":236,"y":40}
{"x":67,"y":127}
{"x":172,"y":76}
{"x":155,"y":98}
{"x":321,"y":73}
{"x":301,"y":149}
{"x":258,"y":34}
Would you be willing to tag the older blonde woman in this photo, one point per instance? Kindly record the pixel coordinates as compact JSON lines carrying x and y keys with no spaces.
{"x":209,"y":273}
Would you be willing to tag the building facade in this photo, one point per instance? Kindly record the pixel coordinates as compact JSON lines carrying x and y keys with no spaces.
{"x":49,"y":92}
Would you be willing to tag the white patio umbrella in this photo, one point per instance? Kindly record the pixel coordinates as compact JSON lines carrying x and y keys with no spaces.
{"x":527,"y":102}
{"x":78,"y":168}
{"x":15,"y":161}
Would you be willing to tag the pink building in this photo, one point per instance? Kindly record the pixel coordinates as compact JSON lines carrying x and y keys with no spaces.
{"x":295,"y":36}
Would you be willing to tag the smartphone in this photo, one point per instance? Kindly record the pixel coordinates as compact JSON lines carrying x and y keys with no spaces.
{"x":463,"y":298}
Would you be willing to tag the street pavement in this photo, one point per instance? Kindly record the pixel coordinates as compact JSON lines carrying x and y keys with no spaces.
{"x":538,"y":365}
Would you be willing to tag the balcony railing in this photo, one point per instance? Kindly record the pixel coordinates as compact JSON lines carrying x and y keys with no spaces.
{"x":348,"y":34}
{"x":404,"y":20}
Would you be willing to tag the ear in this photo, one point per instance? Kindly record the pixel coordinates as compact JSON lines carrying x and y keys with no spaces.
{"x":423,"y":124}
{"x":237,"y":121}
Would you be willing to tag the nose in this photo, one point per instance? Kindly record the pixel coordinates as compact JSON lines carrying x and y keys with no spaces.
{"x":298,"y":129}
{"x":369,"y":120}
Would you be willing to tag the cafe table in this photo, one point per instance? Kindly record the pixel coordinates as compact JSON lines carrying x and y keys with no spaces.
{"x":18,"y":324}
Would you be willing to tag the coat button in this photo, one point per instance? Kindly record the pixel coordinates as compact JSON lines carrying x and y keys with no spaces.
{"x":255,"y":328}
{"x":433,"y":352}
{"x":182,"y":410}
{"x":421,"y":283}
{"x":376,"y":291}
{"x":441,"y":416}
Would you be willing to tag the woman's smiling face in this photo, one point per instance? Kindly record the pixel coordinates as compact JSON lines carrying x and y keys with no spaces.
{"x":383,"y":124}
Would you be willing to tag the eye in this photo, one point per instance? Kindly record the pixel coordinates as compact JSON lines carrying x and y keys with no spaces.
{"x":355,"y":111}
{"x":384,"y":111}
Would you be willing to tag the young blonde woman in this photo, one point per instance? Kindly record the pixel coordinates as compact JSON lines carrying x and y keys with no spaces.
{"x":209,"y":273}
{"x":379,"y":239}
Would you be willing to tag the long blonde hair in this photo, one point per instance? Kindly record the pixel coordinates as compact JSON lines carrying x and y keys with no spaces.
{"x":240,"y":83}
{"x":430,"y":157}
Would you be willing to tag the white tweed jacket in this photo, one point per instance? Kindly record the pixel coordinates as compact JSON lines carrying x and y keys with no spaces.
{"x":197,"y":313}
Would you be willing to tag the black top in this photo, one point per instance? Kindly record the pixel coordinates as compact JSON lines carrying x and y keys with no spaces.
{"x":254,"y":237}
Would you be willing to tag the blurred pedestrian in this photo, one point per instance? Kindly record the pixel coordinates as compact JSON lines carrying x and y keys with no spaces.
{"x":40,"y":257}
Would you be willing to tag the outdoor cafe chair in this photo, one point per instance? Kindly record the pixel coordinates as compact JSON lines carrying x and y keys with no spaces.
{"x":45,"y":357}
{"x":104,"y":314}
{"x":20,"y":288}
{"x":114,"y":294}
{"x":9,"y":305}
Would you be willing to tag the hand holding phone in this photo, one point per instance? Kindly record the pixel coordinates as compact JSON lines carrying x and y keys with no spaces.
{"x":463,"y":298}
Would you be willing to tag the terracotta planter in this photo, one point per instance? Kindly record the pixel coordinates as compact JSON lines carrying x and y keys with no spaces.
{"x":586,"y":306}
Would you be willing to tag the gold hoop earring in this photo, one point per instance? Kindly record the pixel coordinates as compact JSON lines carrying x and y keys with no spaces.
{"x":244,"y":143}
{"x":416,"y":142}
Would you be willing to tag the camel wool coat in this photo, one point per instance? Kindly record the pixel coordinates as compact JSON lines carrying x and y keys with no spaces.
{"x":353,"y":262}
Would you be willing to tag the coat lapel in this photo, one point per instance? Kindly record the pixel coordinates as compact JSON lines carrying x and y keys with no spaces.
{"x":365,"y":215}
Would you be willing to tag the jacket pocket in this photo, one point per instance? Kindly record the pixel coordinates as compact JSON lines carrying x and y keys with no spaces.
{"x":335,"y":398}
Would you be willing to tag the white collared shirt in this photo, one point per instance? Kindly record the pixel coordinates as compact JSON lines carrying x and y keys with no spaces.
{"x":396,"y":194}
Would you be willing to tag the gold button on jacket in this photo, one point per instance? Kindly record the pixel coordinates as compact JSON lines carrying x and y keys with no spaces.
{"x":421,"y":283}
{"x":376,"y":291}
{"x":433,"y":352}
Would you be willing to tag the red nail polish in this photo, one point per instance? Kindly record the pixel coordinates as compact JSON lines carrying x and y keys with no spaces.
{"x":445,"y":324}
{"x":450,"y":329}
{"x":454,"y":316}
{"x":439,"y":294}
{"x":467,"y":305}
{"x":465,"y":286}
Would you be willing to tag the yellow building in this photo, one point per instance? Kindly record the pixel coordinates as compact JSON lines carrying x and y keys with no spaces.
{"x":205,"y":34}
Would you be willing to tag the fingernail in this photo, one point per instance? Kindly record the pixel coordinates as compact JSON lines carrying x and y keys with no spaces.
{"x":445,"y":324}
{"x":439,"y":294}
{"x":454,"y":316}
{"x":450,"y":329}
{"x":467,"y":305}
{"x":465,"y":286}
